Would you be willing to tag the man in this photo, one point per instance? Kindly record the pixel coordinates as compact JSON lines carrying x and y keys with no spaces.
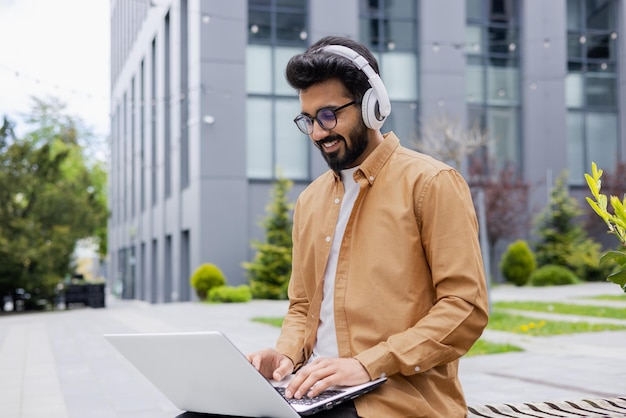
{"x":387,"y":276}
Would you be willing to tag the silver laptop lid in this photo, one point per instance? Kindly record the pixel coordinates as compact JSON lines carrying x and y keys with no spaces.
{"x":202,"y":372}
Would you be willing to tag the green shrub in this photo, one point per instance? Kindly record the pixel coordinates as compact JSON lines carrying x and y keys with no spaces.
{"x":552,"y":275}
{"x":270,"y":271}
{"x":585,"y":262}
{"x":205,"y":278}
{"x":230,"y":294}
{"x":517,"y":263}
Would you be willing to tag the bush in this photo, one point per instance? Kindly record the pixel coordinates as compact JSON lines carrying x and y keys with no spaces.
{"x":205,"y":278}
{"x":518,"y":262}
{"x":585,"y":264}
{"x":230,"y":294}
{"x":552,"y":275}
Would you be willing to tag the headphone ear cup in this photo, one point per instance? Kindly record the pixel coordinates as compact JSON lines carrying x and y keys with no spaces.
{"x":369,"y":110}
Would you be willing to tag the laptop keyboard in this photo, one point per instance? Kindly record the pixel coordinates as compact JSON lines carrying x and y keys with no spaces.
{"x":305,"y":400}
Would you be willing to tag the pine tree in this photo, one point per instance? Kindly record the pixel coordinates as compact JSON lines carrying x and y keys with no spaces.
{"x":270,"y":271}
{"x":562,"y":240}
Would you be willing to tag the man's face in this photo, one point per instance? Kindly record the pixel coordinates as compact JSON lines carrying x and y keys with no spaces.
{"x":347,"y":144}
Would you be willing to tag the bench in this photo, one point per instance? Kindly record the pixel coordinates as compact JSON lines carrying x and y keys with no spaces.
{"x":88,"y":294}
{"x":611,"y":407}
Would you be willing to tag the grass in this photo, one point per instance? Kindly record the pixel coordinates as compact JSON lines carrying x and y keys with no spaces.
{"x":567,"y":309}
{"x":483,"y":347}
{"x":502,"y":321}
{"x":273,"y":321}
{"x":520,"y":324}
{"x":619,"y":298}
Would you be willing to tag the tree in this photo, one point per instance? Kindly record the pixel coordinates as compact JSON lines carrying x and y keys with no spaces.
{"x":562,"y":240}
{"x":449,"y":140}
{"x":50,"y":196}
{"x":506,"y":210}
{"x":270,"y":271}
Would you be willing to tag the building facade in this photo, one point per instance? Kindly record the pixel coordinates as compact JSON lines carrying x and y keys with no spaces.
{"x":201,"y":121}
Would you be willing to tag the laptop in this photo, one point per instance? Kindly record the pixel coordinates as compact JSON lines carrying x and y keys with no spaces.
{"x":204,"y":372}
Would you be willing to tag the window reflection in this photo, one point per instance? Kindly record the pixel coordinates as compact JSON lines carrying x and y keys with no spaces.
{"x":493,"y":77}
{"x":277,"y":30}
{"x":591,"y":85}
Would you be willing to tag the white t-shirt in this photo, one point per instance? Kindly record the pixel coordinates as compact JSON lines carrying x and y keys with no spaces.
{"x":326,"y":343}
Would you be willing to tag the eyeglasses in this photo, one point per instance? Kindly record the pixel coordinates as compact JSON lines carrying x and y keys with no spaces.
{"x":326,"y":117}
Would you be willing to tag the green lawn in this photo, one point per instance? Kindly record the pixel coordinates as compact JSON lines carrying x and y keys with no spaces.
{"x":619,"y":298}
{"x":564,"y":308}
{"x":483,"y":347}
{"x":520,"y":324}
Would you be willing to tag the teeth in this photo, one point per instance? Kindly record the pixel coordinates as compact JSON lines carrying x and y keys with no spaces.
{"x":329,"y":144}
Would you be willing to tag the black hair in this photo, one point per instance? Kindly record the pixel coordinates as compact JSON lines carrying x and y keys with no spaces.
{"x":315,"y":66}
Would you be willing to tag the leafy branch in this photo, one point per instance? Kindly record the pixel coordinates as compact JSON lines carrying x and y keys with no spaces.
{"x":615,"y":222}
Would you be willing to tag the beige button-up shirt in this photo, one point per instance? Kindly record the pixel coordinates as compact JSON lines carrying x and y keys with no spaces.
{"x":410,"y":295}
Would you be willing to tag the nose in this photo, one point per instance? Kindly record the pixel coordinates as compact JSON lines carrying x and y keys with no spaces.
{"x":318,"y":132}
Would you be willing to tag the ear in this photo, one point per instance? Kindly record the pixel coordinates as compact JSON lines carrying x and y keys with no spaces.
{"x":370,"y":111}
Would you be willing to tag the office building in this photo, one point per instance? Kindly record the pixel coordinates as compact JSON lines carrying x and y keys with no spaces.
{"x":202,"y":116}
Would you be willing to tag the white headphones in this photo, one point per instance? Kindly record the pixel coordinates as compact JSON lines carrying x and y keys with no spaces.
{"x":375,"y":104}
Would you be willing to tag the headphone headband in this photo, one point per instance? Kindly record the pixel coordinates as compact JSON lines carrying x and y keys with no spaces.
{"x":375,"y":113}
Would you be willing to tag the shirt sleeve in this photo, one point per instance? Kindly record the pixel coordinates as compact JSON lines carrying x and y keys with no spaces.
{"x":449,"y":235}
{"x":291,"y":339}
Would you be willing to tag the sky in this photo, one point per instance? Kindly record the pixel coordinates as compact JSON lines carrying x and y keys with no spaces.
{"x":56,"y":48}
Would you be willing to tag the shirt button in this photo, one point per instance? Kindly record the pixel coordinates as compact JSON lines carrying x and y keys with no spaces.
{"x":371,"y":178}
{"x":337,"y":200}
{"x":327,"y":239}
{"x":417,"y":368}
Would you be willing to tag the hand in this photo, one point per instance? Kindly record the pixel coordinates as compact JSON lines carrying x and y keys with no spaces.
{"x":271,"y":364}
{"x":323,"y":373}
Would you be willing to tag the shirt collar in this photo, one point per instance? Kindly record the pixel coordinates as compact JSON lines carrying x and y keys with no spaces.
{"x":377,"y":159}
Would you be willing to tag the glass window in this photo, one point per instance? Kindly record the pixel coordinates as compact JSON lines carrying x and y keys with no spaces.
{"x":601,"y":90}
{"x":502,"y":40}
{"x":400,"y":35}
{"x":282,"y":56}
{"x":600,"y":47}
{"x":600,"y":14}
{"x":474,"y":86}
{"x":290,"y":27}
{"x":399,"y":9}
{"x":575,"y":43}
{"x":473,"y":39}
{"x":502,"y":85}
{"x":259,"y":69}
{"x":574,"y":88}
{"x":259,"y":137}
{"x":473,"y":9}
{"x":601,"y":133}
{"x":502,"y":11}
{"x":399,"y":75}
{"x":502,"y":127}
{"x":291,"y":144}
{"x":591,"y":85}
{"x":259,"y":26}
{"x":575,"y":148}
{"x":295,"y":4}
{"x":403,"y":122}
{"x":573,"y":15}
{"x":277,"y":31}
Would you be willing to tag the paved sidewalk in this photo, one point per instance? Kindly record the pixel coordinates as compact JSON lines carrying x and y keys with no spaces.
{"x":57,"y":365}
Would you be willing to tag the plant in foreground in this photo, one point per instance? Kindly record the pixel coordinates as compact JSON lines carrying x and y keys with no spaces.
{"x":616,"y":223}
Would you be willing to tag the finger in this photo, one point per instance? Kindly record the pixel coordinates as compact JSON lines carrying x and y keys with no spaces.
{"x":285,"y":368}
{"x":252,"y":358}
{"x":315,"y":376}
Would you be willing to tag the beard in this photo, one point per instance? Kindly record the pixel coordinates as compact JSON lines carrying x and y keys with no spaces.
{"x":346,"y":158}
